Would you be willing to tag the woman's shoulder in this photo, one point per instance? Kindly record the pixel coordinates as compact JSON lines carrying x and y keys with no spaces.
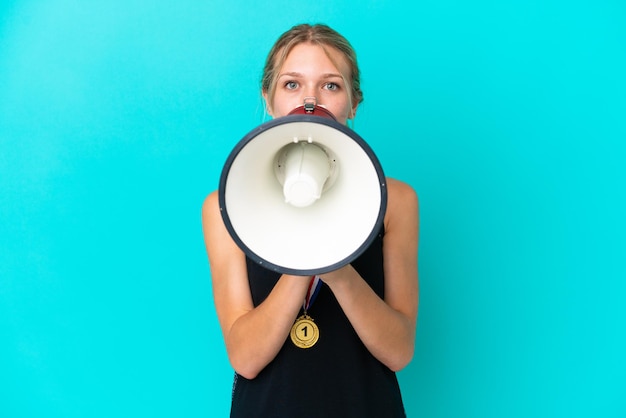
{"x":211,"y":209}
{"x":398,"y":189}
{"x":211,"y":201}
{"x":402,"y":200}
{"x":211,"y":198}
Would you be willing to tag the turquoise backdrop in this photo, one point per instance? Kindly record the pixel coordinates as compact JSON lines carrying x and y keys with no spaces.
{"x":507,"y":117}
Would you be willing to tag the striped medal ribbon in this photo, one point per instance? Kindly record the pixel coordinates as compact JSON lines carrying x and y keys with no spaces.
{"x":304,"y":332}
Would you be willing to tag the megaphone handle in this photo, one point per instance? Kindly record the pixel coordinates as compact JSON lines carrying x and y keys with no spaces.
{"x":309,"y":104}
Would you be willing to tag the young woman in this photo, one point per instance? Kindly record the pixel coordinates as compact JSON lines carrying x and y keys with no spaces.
{"x":367,"y":309}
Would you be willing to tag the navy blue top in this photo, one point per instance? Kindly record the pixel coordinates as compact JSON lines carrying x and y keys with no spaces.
{"x":337,"y":377}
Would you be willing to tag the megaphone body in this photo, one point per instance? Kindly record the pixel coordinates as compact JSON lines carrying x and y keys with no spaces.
{"x":302,"y":194}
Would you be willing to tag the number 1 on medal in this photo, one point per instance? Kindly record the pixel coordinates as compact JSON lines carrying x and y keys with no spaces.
{"x":304,"y":333}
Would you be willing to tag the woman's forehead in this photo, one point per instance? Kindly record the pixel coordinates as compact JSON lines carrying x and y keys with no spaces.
{"x":319,"y":55}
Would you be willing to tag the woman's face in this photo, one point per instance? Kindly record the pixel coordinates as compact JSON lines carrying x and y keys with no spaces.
{"x":309,"y":72}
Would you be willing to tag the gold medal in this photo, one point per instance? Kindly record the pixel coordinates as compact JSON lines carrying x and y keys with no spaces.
{"x":304,"y":332}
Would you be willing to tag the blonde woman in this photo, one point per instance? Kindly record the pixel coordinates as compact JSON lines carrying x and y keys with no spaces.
{"x":367,"y":309}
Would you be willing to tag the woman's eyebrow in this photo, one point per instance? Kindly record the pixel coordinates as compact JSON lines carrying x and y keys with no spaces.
{"x":291,"y":74}
{"x":332,"y":75}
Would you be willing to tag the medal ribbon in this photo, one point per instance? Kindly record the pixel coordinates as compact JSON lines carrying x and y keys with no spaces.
{"x":314,"y":288}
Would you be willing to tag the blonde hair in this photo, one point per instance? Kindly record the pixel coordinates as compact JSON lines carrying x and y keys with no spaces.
{"x":317,"y":34}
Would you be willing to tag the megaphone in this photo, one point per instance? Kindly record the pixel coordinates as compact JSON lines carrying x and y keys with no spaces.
{"x":303,"y":194}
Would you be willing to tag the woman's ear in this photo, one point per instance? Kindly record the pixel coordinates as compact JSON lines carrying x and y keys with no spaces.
{"x":268,"y":108}
{"x":353,"y":111}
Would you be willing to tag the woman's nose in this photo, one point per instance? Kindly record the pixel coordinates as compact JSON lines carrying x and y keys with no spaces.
{"x":309,"y":91}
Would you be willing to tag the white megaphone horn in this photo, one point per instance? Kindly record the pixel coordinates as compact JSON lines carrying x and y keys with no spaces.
{"x":303,"y":194}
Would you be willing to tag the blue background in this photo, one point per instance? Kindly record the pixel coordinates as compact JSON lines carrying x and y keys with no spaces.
{"x":508,"y":118}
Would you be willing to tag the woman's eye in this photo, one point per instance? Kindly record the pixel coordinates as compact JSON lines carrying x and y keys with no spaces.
{"x":332,"y":86}
{"x":291,"y":85}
